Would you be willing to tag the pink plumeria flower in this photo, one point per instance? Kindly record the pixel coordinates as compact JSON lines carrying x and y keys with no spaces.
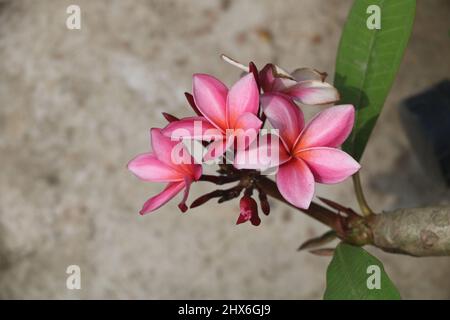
{"x":304,"y":85}
{"x":161,"y":166}
{"x":226,"y":114}
{"x":309,"y":154}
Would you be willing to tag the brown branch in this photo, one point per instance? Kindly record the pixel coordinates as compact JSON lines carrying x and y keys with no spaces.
{"x":315,"y":211}
{"x":417,"y":232}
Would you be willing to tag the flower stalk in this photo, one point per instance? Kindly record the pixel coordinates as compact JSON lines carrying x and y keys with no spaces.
{"x":365,"y":209}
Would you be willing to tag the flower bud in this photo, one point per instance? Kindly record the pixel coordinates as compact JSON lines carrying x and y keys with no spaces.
{"x":248,"y":211}
{"x":264,"y":202}
{"x":169,"y":117}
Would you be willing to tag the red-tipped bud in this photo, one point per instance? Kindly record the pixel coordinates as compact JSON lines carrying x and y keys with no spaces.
{"x":248,"y":211}
{"x":183,"y":207}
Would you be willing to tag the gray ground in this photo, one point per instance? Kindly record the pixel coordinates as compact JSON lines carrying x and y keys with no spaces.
{"x":77,"y":105}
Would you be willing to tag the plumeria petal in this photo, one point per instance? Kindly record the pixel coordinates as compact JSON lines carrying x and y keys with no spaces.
{"x":243,"y":97}
{"x":162,"y":146}
{"x":279,"y":72}
{"x":329,"y":165}
{"x":296,"y":183}
{"x":171,"y":190}
{"x":302,"y":74}
{"x":253,"y":69}
{"x":266,"y":78}
{"x":166,"y":150}
{"x":148,"y":167}
{"x":313,"y":92}
{"x":248,"y":120}
{"x":246,"y":129}
{"x":281,"y":84}
{"x":283,"y":115}
{"x":328,"y":128}
{"x":198,"y":128}
{"x":210,"y":96}
{"x":264,"y":153}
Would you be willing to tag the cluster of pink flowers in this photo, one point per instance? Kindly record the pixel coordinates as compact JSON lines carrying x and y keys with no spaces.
{"x":305,"y":153}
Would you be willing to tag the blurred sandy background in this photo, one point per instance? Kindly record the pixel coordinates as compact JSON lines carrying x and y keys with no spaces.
{"x":75,"y":106}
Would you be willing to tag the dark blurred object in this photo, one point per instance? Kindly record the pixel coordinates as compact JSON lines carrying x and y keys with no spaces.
{"x":426,"y":119}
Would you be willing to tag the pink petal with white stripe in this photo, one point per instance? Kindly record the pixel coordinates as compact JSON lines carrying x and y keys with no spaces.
{"x":148,"y":167}
{"x":328,"y":128}
{"x":210,"y":96}
{"x":248,"y":120}
{"x":283,"y":115}
{"x":162,"y":146}
{"x":246,"y":129}
{"x":165,"y":150}
{"x":264,"y":153}
{"x":171,"y":190}
{"x":243,"y":97}
{"x":296,"y":183}
{"x":329,"y":165}
{"x":198,"y":128}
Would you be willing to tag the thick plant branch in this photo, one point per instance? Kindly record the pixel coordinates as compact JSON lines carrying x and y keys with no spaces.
{"x":417,"y":232}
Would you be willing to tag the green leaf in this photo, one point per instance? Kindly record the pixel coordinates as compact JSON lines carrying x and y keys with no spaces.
{"x":367,"y":62}
{"x":353,"y":271}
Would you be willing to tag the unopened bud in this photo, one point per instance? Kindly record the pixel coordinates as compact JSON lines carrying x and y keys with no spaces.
{"x":264,"y":202}
{"x":248,"y":211}
{"x":169,"y":117}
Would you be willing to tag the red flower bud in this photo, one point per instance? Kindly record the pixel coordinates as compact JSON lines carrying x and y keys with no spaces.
{"x":249,"y":211}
